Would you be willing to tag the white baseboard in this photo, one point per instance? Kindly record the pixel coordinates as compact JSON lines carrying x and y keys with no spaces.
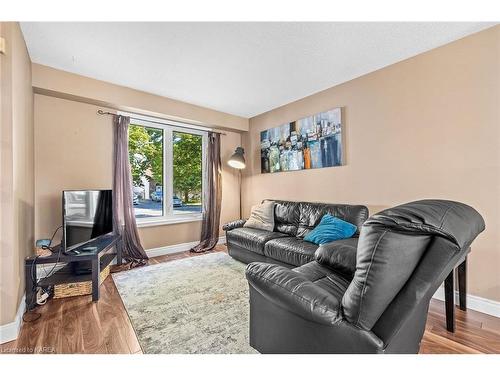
{"x":10,"y":331}
{"x":486,"y":306}
{"x":476,"y":303}
{"x":172,"y":249}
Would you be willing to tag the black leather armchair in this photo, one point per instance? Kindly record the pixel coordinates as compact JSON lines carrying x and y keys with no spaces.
{"x":403,"y":255}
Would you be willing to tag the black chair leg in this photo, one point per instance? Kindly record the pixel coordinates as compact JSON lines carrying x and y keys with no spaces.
{"x":449,"y":301}
{"x":462,"y":285}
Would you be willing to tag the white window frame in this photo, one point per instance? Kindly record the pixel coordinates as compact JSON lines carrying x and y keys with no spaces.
{"x":168,"y":128}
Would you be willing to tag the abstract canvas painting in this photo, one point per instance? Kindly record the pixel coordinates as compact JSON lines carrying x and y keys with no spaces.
{"x":311,"y":142}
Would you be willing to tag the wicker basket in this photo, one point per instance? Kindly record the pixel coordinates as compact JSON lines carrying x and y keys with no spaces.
{"x":78,"y":289}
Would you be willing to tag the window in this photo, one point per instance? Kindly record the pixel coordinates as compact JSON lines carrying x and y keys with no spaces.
{"x":188,"y":171}
{"x":167,"y":172}
{"x":80,"y":207}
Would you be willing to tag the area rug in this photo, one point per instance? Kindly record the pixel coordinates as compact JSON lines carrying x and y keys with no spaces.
{"x":191,"y":305}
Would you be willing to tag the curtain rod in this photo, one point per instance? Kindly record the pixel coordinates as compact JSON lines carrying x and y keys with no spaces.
{"x":193,"y":127}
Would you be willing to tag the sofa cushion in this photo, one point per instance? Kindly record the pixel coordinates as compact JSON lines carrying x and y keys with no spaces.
{"x":329,"y":229}
{"x":291,"y":250}
{"x":251,"y":239}
{"x":392,"y":244}
{"x":261,"y":217}
{"x":311,"y":214}
{"x":385,"y":260}
{"x":286,"y":216}
{"x":326,"y":278}
{"x":294,"y":292}
{"x":339,"y":255}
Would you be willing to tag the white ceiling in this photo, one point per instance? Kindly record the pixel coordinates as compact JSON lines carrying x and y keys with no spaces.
{"x":239,"y":68}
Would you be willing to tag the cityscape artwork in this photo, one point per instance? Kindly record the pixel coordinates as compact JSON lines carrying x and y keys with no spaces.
{"x":311,"y":142}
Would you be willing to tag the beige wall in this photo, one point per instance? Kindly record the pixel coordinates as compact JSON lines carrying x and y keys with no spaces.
{"x":73,"y":145}
{"x":16,"y":169}
{"x":427,"y":127}
{"x":62,"y":84}
{"x":73,"y":149}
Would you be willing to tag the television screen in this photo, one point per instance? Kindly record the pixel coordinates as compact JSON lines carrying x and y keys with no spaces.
{"x":87,"y":214}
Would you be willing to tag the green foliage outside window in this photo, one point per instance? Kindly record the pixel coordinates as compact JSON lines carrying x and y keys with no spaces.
{"x":188,"y":166}
{"x":146,"y":160}
{"x":146,"y":154}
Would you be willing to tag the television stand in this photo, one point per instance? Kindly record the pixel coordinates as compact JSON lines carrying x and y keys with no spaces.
{"x":96,"y":251}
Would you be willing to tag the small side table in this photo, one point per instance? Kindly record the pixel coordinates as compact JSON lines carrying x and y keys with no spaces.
{"x":100,"y":258}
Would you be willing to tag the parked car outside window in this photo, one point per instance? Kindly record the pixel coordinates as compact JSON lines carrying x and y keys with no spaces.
{"x":177,"y":201}
{"x":157,"y":195}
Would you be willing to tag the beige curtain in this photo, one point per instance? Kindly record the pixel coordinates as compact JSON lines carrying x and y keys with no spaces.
{"x":212,"y":197}
{"x":123,"y":209}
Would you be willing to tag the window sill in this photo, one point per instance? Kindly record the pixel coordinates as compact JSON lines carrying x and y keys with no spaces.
{"x":174,"y":219}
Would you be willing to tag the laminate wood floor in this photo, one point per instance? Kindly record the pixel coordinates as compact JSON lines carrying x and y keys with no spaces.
{"x":76,"y":325}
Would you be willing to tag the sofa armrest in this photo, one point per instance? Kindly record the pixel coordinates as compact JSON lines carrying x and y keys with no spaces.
{"x":233,"y":225}
{"x":294,"y":293}
{"x":341,"y":258}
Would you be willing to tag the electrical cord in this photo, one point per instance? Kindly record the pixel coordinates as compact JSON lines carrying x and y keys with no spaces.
{"x":34,"y":281}
{"x":58,"y":254}
{"x":52,"y":238}
{"x":51,"y":272}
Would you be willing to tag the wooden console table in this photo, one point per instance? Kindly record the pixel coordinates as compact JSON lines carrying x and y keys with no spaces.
{"x":100,"y":257}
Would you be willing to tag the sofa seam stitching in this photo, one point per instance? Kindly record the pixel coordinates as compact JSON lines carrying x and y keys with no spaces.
{"x":444,"y":216}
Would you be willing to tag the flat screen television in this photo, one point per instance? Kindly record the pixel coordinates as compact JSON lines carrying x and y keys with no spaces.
{"x":87,"y":214}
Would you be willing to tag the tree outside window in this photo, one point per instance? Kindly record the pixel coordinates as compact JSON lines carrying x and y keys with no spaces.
{"x":184,"y":181}
{"x":188,"y":167}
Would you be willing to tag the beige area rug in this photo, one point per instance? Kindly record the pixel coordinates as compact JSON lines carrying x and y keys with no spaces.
{"x":191,"y":305}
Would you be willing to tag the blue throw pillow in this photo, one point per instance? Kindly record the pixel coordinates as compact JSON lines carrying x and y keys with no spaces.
{"x":329,"y":229}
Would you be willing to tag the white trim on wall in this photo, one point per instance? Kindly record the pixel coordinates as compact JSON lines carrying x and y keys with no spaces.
{"x":172,"y":249}
{"x":486,"y":306}
{"x":10,"y":331}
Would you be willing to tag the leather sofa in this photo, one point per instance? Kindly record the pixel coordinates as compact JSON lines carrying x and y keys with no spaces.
{"x":285,"y":245}
{"x":403,"y":255}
